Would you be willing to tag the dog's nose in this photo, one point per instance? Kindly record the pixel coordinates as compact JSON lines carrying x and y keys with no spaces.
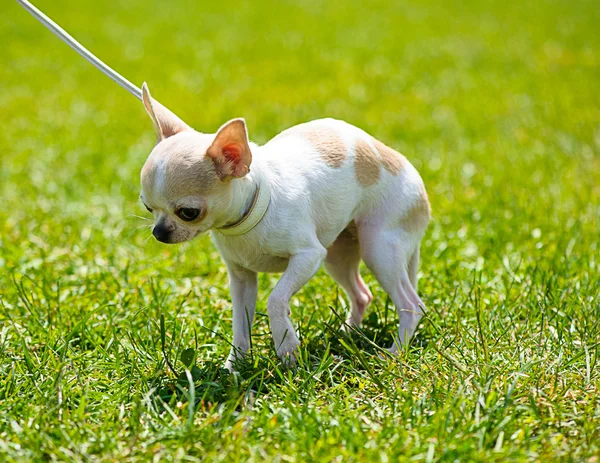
{"x":162,"y":234}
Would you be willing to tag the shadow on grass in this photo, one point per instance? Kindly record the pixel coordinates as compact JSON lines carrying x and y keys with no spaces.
{"x":373,"y":337}
{"x":207,"y":384}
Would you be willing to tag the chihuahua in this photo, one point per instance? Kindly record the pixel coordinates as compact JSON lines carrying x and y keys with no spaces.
{"x":319,"y":192}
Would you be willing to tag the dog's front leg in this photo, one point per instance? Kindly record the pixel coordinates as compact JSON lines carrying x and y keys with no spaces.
{"x":301,"y":267}
{"x":243,"y":284}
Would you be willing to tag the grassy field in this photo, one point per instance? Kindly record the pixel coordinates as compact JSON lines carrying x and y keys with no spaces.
{"x":498,"y":106}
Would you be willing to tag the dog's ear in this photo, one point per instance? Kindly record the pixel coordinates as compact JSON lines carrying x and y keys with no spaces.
{"x":165,"y":122}
{"x":230,"y":150}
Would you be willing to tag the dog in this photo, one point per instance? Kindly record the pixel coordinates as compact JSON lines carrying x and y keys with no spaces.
{"x":319,"y":192}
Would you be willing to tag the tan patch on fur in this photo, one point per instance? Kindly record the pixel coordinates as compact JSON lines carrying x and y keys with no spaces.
{"x":195,"y":179}
{"x":352,"y":230}
{"x":391,"y":159}
{"x":180,"y":169}
{"x":419,"y":214}
{"x":366,"y":164}
{"x":328,"y":144}
{"x":324,"y":139}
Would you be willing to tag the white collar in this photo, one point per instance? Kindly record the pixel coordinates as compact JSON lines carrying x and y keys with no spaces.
{"x":258,"y":209}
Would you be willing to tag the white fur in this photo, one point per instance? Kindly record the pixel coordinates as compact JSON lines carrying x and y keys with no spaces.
{"x":312,"y":204}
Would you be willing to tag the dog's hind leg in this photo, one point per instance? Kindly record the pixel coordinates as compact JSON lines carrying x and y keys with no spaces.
{"x":388,"y":254}
{"x":413,"y":268}
{"x":342,"y":261}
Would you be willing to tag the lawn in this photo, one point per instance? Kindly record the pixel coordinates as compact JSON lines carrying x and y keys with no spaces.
{"x":497,"y":104}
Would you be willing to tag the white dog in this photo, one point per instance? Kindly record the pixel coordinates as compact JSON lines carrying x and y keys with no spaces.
{"x":323,"y":191}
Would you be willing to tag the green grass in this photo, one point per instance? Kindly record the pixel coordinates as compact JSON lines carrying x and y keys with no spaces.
{"x":498,"y":106}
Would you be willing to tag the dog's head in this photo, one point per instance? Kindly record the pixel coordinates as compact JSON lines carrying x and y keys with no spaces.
{"x":186,"y":180}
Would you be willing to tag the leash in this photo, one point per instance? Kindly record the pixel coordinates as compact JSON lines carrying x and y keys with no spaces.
{"x":84,"y":52}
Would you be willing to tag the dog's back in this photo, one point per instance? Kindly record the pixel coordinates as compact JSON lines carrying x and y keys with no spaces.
{"x":342,"y":174}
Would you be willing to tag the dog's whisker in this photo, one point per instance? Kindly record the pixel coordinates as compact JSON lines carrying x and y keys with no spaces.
{"x":138,"y":229}
{"x":144,"y":226}
{"x":134,"y":216}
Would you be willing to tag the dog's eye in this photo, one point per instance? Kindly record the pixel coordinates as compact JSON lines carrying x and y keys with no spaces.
{"x":187,"y":213}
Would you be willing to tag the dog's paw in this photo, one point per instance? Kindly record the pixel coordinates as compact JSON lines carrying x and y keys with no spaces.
{"x":229,"y":364}
{"x":288,"y":350}
{"x":349,"y":326}
{"x":285,"y":337}
{"x":234,"y":356}
{"x":385,"y":354}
